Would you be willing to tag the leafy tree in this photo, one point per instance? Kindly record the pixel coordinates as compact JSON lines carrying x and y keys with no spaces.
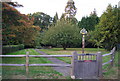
{"x":41,"y":19}
{"x":63,"y":33}
{"x":108,"y":30}
{"x":89,"y":22}
{"x":10,"y":17}
{"x":17,"y":28}
{"x":26,"y":34}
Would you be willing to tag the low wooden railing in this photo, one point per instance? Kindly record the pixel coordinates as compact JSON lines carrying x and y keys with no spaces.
{"x":112,"y":53}
{"x":27,"y":61}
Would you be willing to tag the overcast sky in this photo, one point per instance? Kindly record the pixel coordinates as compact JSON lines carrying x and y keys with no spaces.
{"x":50,"y":7}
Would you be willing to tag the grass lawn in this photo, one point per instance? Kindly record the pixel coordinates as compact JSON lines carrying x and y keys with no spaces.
{"x":69,"y":51}
{"x":108,"y":73}
{"x":35,"y":72}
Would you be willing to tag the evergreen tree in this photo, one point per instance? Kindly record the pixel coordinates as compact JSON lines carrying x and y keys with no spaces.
{"x":70,"y":12}
{"x":89,"y":22}
{"x":108,"y":30}
{"x":62,"y":16}
{"x":55,"y":19}
{"x":70,"y":9}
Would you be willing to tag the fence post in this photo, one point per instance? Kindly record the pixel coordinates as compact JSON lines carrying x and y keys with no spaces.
{"x":73,"y":63}
{"x":112,"y":56}
{"x":99,"y":64}
{"x":27,"y":64}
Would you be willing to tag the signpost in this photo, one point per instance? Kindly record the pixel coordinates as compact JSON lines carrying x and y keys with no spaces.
{"x":83,"y":32}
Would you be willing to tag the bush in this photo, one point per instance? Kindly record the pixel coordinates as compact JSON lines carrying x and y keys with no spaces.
{"x":64,"y":34}
{"x":12,"y":48}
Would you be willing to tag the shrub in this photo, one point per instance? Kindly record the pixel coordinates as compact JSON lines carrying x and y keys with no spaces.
{"x":12,"y":48}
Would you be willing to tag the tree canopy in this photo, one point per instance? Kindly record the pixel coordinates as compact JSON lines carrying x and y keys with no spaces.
{"x":107,"y":31}
{"x":89,"y":22}
{"x":55,"y":18}
{"x":41,"y":19}
{"x":63,"y":33}
{"x":17,"y":28}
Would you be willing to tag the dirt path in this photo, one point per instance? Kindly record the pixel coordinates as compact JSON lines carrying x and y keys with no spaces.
{"x":65,"y":71}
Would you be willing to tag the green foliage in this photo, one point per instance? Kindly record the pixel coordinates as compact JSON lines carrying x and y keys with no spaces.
{"x":63,"y":33}
{"x":12,"y":48}
{"x":95,"y":41}
{"x":41,"y":19}
{"x":62,"y":16}
{"x":89,"y":22}
{"x":55,"y":19}
{"x":107,"y":31}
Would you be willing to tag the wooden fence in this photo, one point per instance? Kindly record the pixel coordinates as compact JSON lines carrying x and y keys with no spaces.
{"x":27,"y":61}
{"x":112,"y":53}
{"x":73,"y":61}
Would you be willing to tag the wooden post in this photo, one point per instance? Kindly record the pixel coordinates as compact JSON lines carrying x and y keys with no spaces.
{"x":27,"y":64}
{"x":112,"y":56}
{"x":99,"y":64}
{"x":83,"y":43}
{"x":73,"y":63}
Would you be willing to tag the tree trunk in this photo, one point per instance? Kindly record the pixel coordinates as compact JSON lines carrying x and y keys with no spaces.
{"x":64,"y":47}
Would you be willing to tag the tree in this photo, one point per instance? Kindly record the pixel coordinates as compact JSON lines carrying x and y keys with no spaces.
{"x":107,"y":31}
{"x":89,"y":22}
{"x":63,"y":33}
{"x":10,"y":17}
{"x":17,"y":28}
{"x":41,"y":19}
{"x":14,"y":4}
{"x":55,"y":19}
{"x":62,"y":16}
{"x":70,"y":9}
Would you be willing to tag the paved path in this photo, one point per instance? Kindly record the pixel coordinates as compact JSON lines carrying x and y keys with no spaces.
{"x":65,"y":71}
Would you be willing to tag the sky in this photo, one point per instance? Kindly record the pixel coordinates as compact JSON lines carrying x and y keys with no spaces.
{"x":50,"y":7}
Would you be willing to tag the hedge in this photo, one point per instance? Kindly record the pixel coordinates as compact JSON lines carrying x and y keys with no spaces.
{"x":12,"y":48}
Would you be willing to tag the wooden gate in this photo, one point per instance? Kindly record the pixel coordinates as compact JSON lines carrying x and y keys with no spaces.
{"x":86,"y":66}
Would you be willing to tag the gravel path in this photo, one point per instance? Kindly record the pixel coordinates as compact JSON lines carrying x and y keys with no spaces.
{"x":65,"y":71}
